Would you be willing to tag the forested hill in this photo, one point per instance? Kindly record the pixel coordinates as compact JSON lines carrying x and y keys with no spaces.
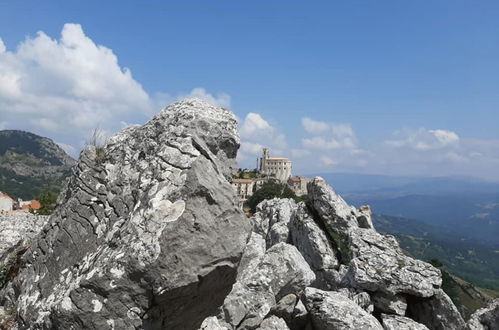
{"x":30,"y":163}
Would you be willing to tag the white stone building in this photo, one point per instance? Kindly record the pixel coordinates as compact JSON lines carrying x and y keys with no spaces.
{"x":276,"y":167}
{"x":6,"y":203}
{"x":244,"y":188}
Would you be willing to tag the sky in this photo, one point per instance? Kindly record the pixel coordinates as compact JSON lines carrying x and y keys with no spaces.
{"x":379,"y":87}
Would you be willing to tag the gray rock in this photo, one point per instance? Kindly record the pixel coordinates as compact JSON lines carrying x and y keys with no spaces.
{"x":437,"y":312}
{"x":292,"y":311}
{"x":315,"y":247}
{"x":376,"y":262}
{"x":273,"y":323}
{"x":281,"y":271}
{"x":272,"y":218}
{"x":253,"y":254}
{"x":397,"y":322}
{"x":486,"y":318}
{"x":332,"y":310}
{"x":332,"y":209}
{"x":19,"y":227}
{"x":393,"y":304}
{"x":140,"y":234}
{"x":212,"y":323}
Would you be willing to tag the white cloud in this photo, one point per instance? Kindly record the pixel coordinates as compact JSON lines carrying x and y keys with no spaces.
{"x":251,"y":148}
{"x":423,"y":139}
{"x":220,"y":100}
{"x":328,"y":161}
{"x":254,"y":125}
{"x":328,"y":136}
{"x":3,"y":124}
{"x":318,"y":142}
{"x":64,"y":88}
{"x":70,"y":85}
{"x":342,"y":131}
{"x":314,"y":126}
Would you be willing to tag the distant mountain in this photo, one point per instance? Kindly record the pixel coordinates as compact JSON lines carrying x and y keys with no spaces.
{"x":474,"y":261}
{"x":30,"y":163}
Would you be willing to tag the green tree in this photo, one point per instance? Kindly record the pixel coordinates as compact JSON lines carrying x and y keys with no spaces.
{"x":269,"y":190}
{"x":48,"y":201}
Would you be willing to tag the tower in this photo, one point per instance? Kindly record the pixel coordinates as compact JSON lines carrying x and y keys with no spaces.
{"x":263,"y":160}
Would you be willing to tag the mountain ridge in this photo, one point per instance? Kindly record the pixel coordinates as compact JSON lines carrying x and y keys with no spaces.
{"x":30,"y":163}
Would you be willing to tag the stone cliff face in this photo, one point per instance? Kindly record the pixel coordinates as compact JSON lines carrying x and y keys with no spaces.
{"x":147,"y":235}
{"x":337,"y":273}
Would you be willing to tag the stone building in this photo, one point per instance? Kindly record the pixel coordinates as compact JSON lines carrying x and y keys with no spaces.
{"x":277,"y":167}
{"x":299,"y":185}
{"x":244,"y":188}
{"x":6,"y":203}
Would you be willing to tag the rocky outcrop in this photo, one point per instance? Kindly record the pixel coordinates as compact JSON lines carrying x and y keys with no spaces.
{"x":281,"y":271}
{"x":437,"y":312}
{"x":18,"y":228}
{"x":363,"y":280}
{"x":486,"y":318}
{"x":397,"y":322}
{"x":332,"y":310}
{"x":147,"y":233}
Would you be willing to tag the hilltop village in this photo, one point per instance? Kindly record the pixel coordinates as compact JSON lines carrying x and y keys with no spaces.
{"x":8,"y":204}
{"x":276,"y":169}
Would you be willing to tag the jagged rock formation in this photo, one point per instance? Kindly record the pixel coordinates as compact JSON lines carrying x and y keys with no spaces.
{"x":18,"y":227}
{"x":485,"y":318}
{"x":147,"y":233}
{"x":359,"y":279}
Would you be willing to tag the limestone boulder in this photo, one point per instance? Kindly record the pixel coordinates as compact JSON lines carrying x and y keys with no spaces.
{"x":486,"y":318}
{"x":273,"y":323}
{"x":316,"y":248}
{"x":282,"y":271}
{"x":139,"y":238}
{"x":437,"y":312}
{"x":397,"y":322}
{"x":272,"y":218}
{"x":332,"y":310}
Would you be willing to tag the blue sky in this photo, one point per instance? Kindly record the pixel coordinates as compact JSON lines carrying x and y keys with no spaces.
{"x":385,"y":87}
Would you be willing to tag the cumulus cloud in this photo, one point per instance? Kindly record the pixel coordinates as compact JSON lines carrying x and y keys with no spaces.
{"x":334,"y":135}
{"x":254,"y":125}
{"x":251,"y":148}
{"x":314,"y":126}
{"x":423,"y":139}
{"x":66,"y":87}
{"x":3,"y":124}
{"x":220,"y":100}
{"x":328,"y":161}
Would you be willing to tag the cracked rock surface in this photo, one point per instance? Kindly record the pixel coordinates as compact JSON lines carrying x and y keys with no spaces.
{"x":147,"y":233}
{"x":358,"y":278}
